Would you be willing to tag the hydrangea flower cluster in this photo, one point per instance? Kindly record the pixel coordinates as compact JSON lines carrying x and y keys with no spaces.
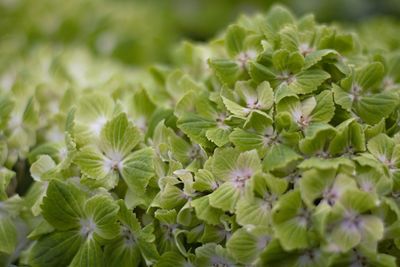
{"x":276,"y":144}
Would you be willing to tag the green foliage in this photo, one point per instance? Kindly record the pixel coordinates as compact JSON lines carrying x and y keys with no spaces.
{"x":276,"y":144}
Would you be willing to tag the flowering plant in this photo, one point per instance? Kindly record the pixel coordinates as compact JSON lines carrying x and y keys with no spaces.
{"x":276,"y":144}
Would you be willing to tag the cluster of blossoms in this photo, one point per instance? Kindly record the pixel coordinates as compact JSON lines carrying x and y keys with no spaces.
{"x":276,"y":144}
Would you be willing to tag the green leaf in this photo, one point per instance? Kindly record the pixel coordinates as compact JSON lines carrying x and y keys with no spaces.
{"x":372,"y":109}
{"x":244,"y":246}
{"x":62,"y":205}
{"x":260,"y":73}
{"x":102,"y":211}
{"x":291,"y":221}
{"x":170,"y":197}
{"x":225,"y":197}
{"x":227,"y":71}
{"x":350,"y":137}
{"x":316,"y":137}
{"x":5,"y":177}
{"x":372,"y":229}
{"x":224,"y":162}
{"x":93,"y":163}
{"x":308,"y":81}
{"x":31,"y":113}
{"x":195,"y":127}
{"x":245,"y":140}
{"x":206,"y":212}
{"x":90,"y":254}
{"x":326,"y":163}
{"x":324,"y":109}
{"x":171,"y":258}
{"x":6,"y":107}
{"x":119,"y":136}
{"x":358,"y":201}
{"x":40,"y":167}
{"x":344,"y":237}
{"x":265,"y":95}
{"x":122,"y":253}
{"x":234,"y":39}
{"x":279,"y":157}
{"x":235,"y":108}
{"x":317,"y":56}
{"x":382,"y":147}
{"x":8,"y":235}
{"x":341,"y":97}
{"x":276,"y":19}
{"x":137,"y":169}
{"x":370,"y":76}
{"x":56,"y":249}
{"x":204,"y":181}
{"x":219,"y":136}
{"x":254,"y":211}
{"x":325,"y":184}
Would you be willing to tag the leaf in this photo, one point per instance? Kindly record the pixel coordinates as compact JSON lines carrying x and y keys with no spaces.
{"x":372,"y":109}
{"x":244,"y":140}
{"x":370,"y":76}
{"x":119,"y":136}
{"x":344,"y":238}
{"x":31,"y":113}
{"x":244,"y":246}
{"x":94,"y":106}
{"x":290,"y":38}
{"x":308,"y":81}
{"x":291,"y":222}
{"x":171,"y":258}
{"x":219,"y":136}
{"x":276,"y":19}
{"x":224,"y":162}
{"x":227,"y":71}
{"x":260,"y":73}
{"x":137,"y":169}
{"x":341,"y":97}
{"x":6,"y":107}
{"x":382,"y":147}
{"x":90,"y":254}
{"x":350,"y":137}
{"x":225,"y":197}
{"x":55,"y":249}
{"x":234,"y":39}
{"x":102,"y":212}
{"x":317,"y":56}
{"x":41,"y":166}
{"x":278,"y":157}
{"x":325,"y":164}
{"x":8,"y":235}
{"x":253,"y":211}
{"x":170,"y":197}
{"x":195,"y":127}
{"x":372,"y":229}
{"x":5,"y":178}
{"x":206,"y":212}
{"x":62,"y":205}
{"x":122,"y":253}
{"x":235,"y":108}
{"x":324,"y":109}
{"x":204,"y":181}
{"x":358,"y":201}
{"x":280,"y":59}
{"x":93,"y":163}
{"x":317,"y":135}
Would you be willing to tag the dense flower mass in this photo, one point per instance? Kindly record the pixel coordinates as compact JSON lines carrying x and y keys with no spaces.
{"x":275,"y":144}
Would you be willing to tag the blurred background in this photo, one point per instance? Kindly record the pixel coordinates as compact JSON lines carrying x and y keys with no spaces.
{"x":141,"y":32}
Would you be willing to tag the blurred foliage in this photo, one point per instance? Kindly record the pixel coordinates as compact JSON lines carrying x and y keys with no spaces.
{"x":141,"y":32}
